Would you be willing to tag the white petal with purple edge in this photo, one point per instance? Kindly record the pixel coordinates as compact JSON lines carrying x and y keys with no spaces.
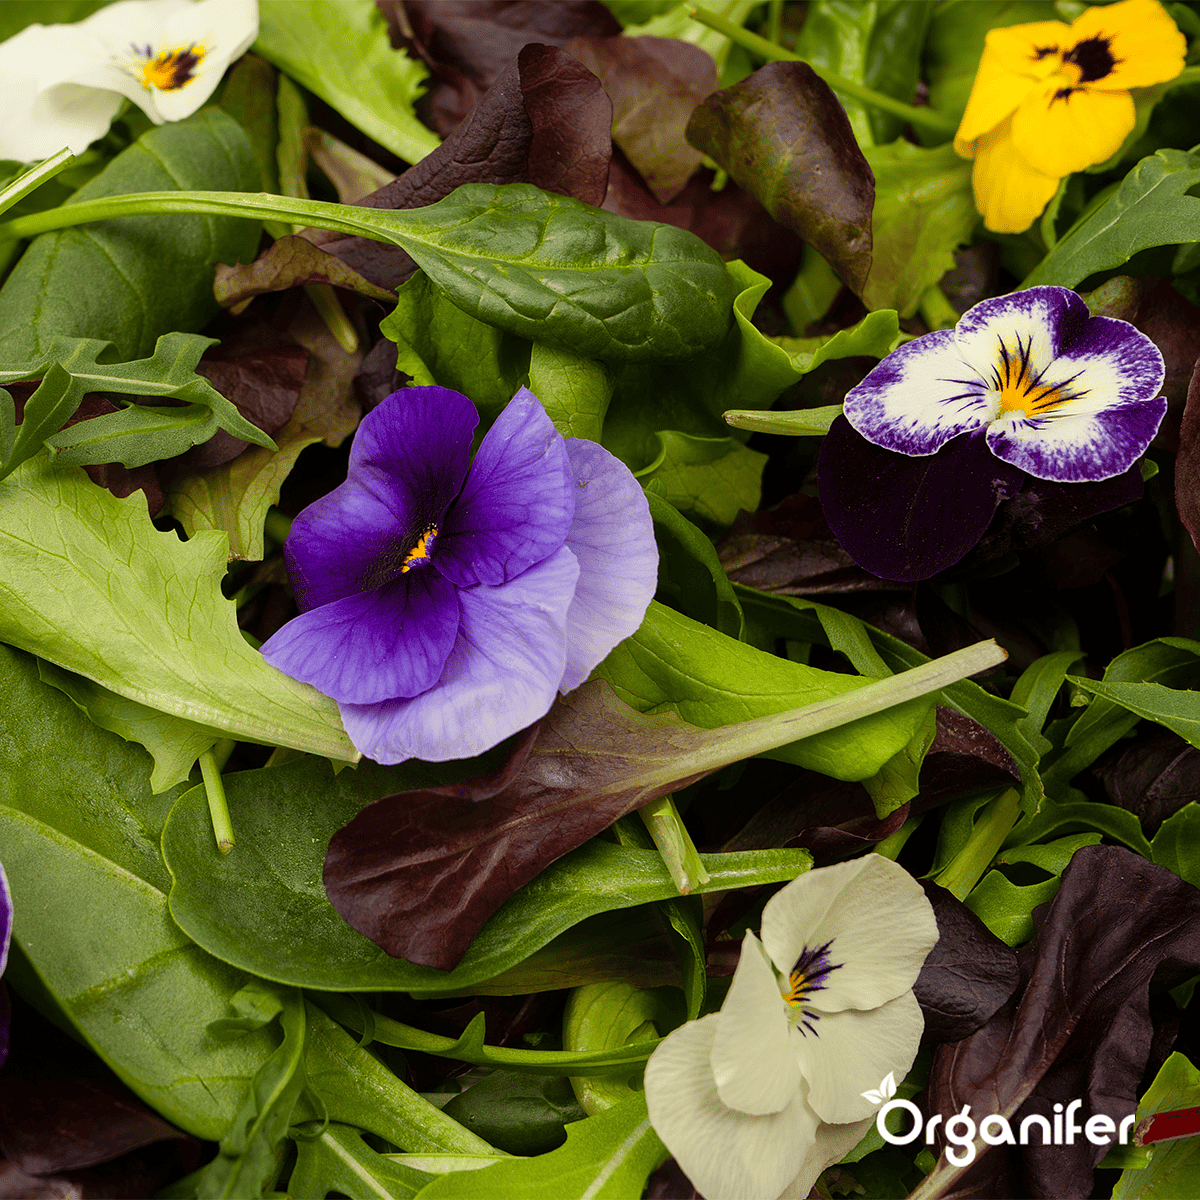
{"x":1037,"y":322}
{"x":877,"y":918}
{"x":501,"y":676}
{"x":753,"y":1060}
{"x":919,"y":397}
{"x":852,"y":1051}
{"x":1078,"y":447}
{"x":612,"y":536}
{"x":517,"y":503}
{"x":389,"y":642}
{"x":728,"y":1155}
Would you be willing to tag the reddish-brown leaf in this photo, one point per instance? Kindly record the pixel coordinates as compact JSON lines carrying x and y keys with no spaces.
{"x":654,"y":84}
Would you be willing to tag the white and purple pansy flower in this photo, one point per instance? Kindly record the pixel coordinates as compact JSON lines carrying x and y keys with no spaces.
{"x":757,"y":1100}
{"x":1028,"y":394}
{"x":1059,"y":394}
{"x":446,"y":602}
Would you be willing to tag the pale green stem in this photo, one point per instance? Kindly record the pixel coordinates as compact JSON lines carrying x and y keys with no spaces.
{"x":936,"y":311}
{"x":674,"y":843}
{"x":966,"y":868}
{"x":218,"y":806}
{"x":891,"y":845}
{"x":341,"y":218}
{"x":32,"y":179}
{"x":924,"y":118}
{"x":221,"y":752}
{"x":775,"y":21}
{"x":331,"y":312}
{"x":801,"y":422}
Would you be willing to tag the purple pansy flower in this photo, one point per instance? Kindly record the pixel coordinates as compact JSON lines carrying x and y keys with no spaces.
{"x":5,"y":936}
{"x":1028,"y":384}
{"x":444,"y":606}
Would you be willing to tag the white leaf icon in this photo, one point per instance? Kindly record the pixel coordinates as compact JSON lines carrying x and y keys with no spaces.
{"x":887,"y":1089}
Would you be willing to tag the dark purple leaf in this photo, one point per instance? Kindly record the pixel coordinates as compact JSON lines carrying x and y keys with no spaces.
{"x":968,"y":975}
{"x":965,"y":757}
{"x":783,"y":136}
{"x":790,"y":550}
{"x":544,"y":121}
{"x":1187,"y":462}
{"x":654,"y":84}
{"x":420,"y":872}
{"x":1079,"y":1027}
{"x":1171,"y":322}
{"x":905,"y":517}
{"x":468,"y":44}
{"x":1044,"y":511}
{"x":62,"y":1110}
{"x":1154,"y":776}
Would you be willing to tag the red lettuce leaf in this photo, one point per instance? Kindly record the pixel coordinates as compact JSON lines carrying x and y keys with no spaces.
{"x":468,"y":44}
{"x":1187,"y":462}
{"x":783,"y":136}
{"x":655,"y":85}
{"x":1154,"y":776}
{"x":1080,"y":1026}
{"x":420,"y":872}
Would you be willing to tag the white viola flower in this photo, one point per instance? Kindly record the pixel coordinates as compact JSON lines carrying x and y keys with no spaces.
{"x":64,"y":83}
{"x":168,"y":56}
{"x":1056,"y":392}
{"x":757,"y":1100}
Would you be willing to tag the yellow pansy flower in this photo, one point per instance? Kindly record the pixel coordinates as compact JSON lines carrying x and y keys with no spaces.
{"x":1050,"y":99}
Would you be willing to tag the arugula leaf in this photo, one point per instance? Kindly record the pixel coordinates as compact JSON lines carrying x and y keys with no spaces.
{"x":1150,"y":207}
{"x":337,"y":1160}
{"x":91,"y":585}
{"x":71,"y":367}
{"x":1173,"y":1168}
{"x":339,"y":49}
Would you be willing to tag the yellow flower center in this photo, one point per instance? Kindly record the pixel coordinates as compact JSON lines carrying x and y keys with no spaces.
{"x":798,"y":985}
{"x":170,"y":70}
{"x":420,"y":553}
{"x":1020,"y":386}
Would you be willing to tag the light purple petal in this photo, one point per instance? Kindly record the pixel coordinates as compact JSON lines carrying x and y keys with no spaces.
{"x":919,"y":397}
{"x":407,"y":463}
{"x":612,"y":536}
{"x":390,"y":642}
{"x":5,"y":919}
{"x":728,"y":1155}
{"x":518,"y":501}
{"x":1039,"y":322}
{"x":501,"y":676}
{"x":1078,"y":448}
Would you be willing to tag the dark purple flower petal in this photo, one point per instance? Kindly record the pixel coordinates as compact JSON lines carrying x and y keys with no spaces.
{"x":392,"y":641}
{"x":612,"y":537}
{"x":502,"y":674}
{"x":908,"y":518}
{"x":1078,"y":447}
{"x":518,"y":501}
{"x":407,"y":463}
{"x":919,"y":397}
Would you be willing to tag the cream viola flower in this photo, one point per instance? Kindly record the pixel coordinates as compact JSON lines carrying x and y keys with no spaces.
{"x":64,"y":83}
{"x":757,"y":1100}
{"x":1050,"y":99}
